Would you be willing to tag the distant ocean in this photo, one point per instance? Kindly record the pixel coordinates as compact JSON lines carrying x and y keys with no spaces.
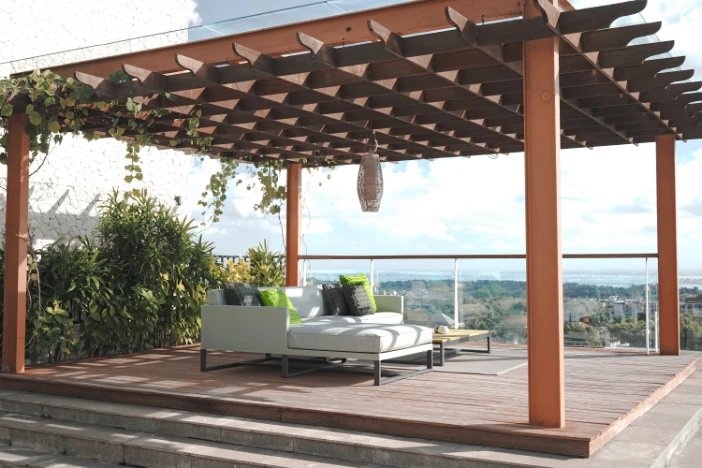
{"x":598,"y":279}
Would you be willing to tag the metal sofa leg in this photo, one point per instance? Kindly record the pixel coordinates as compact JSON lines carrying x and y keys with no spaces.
{"x":430,"y":359}
{"x":203,"y":360}
{"x":377,"y":372}
{"x":284,"y":366}
{"x":250,"y":362}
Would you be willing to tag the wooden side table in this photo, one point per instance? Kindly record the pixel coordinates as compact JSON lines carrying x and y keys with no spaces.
{"x":459,"y":336}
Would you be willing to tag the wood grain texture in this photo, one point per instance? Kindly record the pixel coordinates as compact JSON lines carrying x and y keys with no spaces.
{"x":605,"y":392}
{"x":16,"y":236}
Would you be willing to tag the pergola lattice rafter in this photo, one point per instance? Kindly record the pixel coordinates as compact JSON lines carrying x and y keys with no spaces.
{"x":440,"y":94}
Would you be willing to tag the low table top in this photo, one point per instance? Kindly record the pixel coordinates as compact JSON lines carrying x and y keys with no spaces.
{"x":459,"y":335}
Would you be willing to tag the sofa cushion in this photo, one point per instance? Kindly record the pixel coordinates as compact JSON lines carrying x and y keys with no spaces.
{"x":277,"y":298}
{"x":241,"y":294}
{"x":334,"y":301}
{"x":216,"y":297}
{"x":361,"y":338}
{"x":307,"y":300}
{"x":357,"y":300}
{"x":378,"y":318}
{"x":348,"y":280}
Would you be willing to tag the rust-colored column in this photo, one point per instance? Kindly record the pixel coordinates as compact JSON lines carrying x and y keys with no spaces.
{"x":542,"y":145}
{"x":293,"y":214}
{"x":668,"y":292}
{"x":16,"y":232}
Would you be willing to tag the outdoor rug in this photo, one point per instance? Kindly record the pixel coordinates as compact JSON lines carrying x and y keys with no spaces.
{"x":499,"y":361}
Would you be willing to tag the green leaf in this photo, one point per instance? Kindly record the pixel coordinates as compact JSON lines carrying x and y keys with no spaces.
{"x":54,"y":127}
{"x":35,"y":118}
{"x":49,"y":101}
{"x":7,"y":110}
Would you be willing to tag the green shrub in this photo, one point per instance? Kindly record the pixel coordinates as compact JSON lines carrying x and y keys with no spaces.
{"x":236,"y":272}
{"x":267,"y":267}
{"x":138,"y":286}
{"x":71,"y":287}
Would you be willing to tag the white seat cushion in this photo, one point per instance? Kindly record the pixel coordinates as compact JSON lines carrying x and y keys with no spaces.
{"x":378,"y":318}
{"x":361,"y":338}
{"x":307,"y":300}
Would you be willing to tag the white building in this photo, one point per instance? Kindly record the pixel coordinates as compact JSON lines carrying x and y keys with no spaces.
{"x":66,"y":188}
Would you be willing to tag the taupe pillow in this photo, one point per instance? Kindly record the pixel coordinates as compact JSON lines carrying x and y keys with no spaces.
{"x":241,"y":294}
{"x":357,"y":300}
{"x":334,"y":301}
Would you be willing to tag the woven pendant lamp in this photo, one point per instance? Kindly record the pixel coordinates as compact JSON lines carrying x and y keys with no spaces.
{"x":370,"y":180}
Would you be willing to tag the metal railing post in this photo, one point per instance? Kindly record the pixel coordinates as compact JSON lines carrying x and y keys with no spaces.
{"x":304,"y":272}
{"x":455,"y":293}
{"x":372,"y":276}
{"x":648,"y":315}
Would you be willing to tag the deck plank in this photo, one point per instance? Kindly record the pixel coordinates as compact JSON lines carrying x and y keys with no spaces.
{"x":604,"y":393}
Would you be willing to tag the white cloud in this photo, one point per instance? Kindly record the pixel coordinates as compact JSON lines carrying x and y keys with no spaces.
{"x":194,"y":19}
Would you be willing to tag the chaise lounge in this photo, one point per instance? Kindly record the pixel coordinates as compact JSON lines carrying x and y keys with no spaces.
{"x":328,"y":340}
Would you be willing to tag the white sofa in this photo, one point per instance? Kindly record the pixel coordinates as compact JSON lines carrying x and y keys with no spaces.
{"x":266,"y":330}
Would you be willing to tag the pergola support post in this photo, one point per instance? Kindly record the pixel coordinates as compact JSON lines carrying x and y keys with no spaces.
{"x":543,"y":230}
{"x":293,"y":214}
{"x":16,"y":233}
{"x":668,"y":291}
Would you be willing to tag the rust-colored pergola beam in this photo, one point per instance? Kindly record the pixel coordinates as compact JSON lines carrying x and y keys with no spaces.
{"x":405,"y":18}
{"x":543,"y":231}
{"x":293,"y":215}
{"x":668,"y":293}
{"x":16,"y":233}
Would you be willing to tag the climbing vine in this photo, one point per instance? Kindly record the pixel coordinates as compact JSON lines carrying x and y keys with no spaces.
{"x":57,"y":106}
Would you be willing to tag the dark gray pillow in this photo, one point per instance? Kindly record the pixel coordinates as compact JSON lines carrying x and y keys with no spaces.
{"x":241,"y":294}
{"x":357,"y":300}
{"x":334,"y":301}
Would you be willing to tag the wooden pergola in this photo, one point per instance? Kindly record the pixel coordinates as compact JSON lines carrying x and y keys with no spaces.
{"x":432,"y":79}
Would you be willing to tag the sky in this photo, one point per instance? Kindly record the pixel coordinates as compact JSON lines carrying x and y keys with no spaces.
{"x":476,"y":205}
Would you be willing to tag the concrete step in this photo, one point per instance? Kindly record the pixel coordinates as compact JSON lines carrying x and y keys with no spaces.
{"x":19,"y":457}
{"x":153,"y":437}
{"x":690,"y":454}
{"x":284,"y":438}
{"x":147,"y":450}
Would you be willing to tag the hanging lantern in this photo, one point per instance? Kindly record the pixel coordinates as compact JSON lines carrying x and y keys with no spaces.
{"x":370,"y":180}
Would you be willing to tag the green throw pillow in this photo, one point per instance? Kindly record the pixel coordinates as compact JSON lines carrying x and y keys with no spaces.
{"x":350,"y":280}
{"x":277,"y":298}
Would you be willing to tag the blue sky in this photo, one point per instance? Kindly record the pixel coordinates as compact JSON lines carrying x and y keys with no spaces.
{"x":476,"y":205}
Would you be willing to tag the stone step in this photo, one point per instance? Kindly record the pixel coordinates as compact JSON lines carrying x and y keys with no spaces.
{"x":153,"y":437}
{"x":291,"y":439}
{"x":147,"y":450}
{"x":20,"y":457}
{"x":690,"y":454}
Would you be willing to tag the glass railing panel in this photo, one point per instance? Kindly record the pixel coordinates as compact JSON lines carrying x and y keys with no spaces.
{"x":492,"y":295}
{"x":328,"y":271}
{"x":605,"y":303}
{"x":427,"y":286}
{"x":691,"y":312}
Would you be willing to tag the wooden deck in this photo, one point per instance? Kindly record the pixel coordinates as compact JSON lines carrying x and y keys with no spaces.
{"x":605,"y":391}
